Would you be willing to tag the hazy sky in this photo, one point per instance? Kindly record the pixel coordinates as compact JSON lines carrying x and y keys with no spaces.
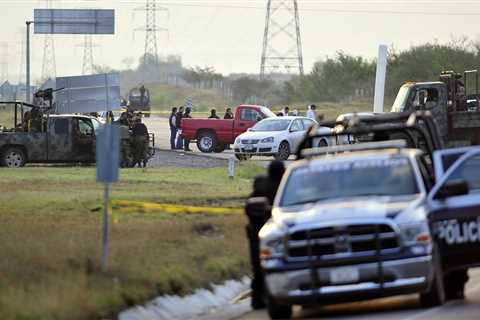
{"x":227,"y":34}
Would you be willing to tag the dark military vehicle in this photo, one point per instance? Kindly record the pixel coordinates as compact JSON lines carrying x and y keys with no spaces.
{"x":453,"y":102}
{"x":39,"y":137}
{"x":139,"y":100}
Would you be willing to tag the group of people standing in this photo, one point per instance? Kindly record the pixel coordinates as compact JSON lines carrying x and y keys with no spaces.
{"x":175,"y":122}
{"x":311,"y":112}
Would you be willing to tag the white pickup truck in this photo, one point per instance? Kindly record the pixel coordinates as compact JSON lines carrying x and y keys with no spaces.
{"x":369,"y":222}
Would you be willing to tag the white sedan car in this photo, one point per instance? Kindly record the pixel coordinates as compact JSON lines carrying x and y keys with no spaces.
{"x":278,"y":137}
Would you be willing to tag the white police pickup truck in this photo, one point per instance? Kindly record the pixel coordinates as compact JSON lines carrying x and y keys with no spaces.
{"x":367,"y":223}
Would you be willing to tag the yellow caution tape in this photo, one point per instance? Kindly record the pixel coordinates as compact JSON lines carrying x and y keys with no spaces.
{"x":125,"y":206}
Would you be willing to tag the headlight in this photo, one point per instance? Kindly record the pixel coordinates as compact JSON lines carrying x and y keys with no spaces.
{"x":415,"y":233}
{"x":267,"y":140}
{"x":271,"y":249}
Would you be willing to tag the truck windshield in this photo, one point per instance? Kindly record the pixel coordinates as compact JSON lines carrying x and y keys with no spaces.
{"x":323,"y":181}
{"x":401,"y":99}
{"x":271,"y":125}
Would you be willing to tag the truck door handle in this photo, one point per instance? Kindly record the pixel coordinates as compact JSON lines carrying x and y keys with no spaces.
{"x":242,"y":124}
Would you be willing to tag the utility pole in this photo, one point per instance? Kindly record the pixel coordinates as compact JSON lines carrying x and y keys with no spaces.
{"x":282,"y":44}
{"x":49,"y":68}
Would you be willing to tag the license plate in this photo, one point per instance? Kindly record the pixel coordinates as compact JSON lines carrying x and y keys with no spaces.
{"x":249,"y":148}
{"x":344,"y":275}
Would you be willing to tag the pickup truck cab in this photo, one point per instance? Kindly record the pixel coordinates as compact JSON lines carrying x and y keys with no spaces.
{"x":57,"y":139}
{"x":213,"y":135}
{"x":371,"y":223}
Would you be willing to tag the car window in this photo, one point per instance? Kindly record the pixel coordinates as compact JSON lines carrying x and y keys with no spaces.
{"x":307,"y":123}
{"x":85,"y":127}
{"x":468,"y":171}
{"x":61,"y":126}
{"x":322,"y":181}
{"x":297,"y":125}
{"x":271,"y":125}
{"x":249,"y":115}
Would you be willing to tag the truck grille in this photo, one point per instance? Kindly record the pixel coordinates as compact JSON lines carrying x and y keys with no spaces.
{"x":251,"y":141}
{"x":350,"y":239}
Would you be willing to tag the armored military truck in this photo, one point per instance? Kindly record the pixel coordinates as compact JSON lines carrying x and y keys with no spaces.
{"x":454,"y":102}
{"x":39,"y":137}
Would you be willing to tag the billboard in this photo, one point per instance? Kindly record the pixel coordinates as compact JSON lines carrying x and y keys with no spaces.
{"x":74,"y":21}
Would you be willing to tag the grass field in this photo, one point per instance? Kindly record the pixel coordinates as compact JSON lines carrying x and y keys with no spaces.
{"x":51,"y":234}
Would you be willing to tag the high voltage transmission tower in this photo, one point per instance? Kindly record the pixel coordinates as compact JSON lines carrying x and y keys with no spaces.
{"x":49,"y":68}
{"x":282,"y":44}
{"x":88,"y":45}
{"x":151,"y":28}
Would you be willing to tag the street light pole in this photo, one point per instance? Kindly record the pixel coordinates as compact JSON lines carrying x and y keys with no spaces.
{"x":28,"y":62}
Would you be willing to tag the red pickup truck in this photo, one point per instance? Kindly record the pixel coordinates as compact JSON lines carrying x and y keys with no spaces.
{"x":213,"y":135}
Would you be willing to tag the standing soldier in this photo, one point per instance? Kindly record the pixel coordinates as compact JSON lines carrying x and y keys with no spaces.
{"x":213,"y":114}
{"x":186,"y":142}
{"x":142,"y":95}
{"x":173,"y":128}
{"x":178,"y":124}
{"x":140,"y":142}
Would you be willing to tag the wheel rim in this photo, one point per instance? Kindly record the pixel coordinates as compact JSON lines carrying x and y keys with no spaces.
{"x":283,"y":152}
{"x":206,"y":143}
{"x":13,"y":160}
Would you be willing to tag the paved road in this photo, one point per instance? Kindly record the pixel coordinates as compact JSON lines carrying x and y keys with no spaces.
{"x":160,"y":127}
{"x":396,"y":308}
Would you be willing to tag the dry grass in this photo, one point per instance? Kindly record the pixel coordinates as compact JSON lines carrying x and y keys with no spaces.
{"x":51,"y":235}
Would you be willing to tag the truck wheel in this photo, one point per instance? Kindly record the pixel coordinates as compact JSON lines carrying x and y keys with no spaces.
{"x":435,"y":296}
{"x":278,"y":311}
{"x":13,"y":158}
{"x":206,"y":142}
{"x":219,"y":148}
{"x":283,"y":151}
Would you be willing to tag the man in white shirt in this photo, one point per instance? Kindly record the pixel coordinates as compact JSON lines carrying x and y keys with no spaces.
{"x":311,"y":112}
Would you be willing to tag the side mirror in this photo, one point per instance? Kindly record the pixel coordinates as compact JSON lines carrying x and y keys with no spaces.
{"x":249,"y":129}
{"x":452,"y":189}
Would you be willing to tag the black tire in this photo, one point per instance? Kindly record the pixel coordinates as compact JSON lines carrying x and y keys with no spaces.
{"x":278,"y":311}
{"x":14,"y":158}
{"x":219,"y":148}
{"x":435,"y":296}
{"x":242,"y":157}
{"x":283,"y":151}
{"x":206,"y":142}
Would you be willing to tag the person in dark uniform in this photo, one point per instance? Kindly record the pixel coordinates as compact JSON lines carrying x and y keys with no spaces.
{"x":142,"y":95}
{"x":186,"y":142}
{"x":173,"y":128}
{"x":140,"y":143}
{"x":228,"y":114}
{"x":266,"y":187}
{"x":178,"y":124}
{"x":213,"y":114}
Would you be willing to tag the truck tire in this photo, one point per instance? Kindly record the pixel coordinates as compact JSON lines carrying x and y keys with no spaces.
{"x":278,"y":311}
{"x":13,"y":158}
{"x":283,"y":151}
{"x":206,"y":142}
{"x":435,"y":296}
{"x":219,"y":148}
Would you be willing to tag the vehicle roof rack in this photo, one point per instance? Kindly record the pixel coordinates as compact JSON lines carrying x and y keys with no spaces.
{"x":366,"y":146}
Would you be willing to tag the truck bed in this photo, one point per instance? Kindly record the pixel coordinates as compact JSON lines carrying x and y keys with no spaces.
{"x":223,"y":128}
